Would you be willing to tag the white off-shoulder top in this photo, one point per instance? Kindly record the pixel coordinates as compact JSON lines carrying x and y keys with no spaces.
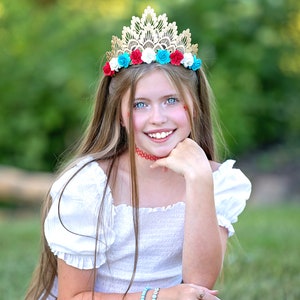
{"x":70,"y":228}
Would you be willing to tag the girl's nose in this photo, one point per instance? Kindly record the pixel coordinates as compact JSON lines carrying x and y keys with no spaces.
{"x":158,"y":115}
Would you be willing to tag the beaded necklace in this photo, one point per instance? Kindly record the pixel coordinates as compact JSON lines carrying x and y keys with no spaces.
{"x":145,"y":155}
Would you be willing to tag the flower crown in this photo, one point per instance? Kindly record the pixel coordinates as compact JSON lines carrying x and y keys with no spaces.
{"x":151,"y":39}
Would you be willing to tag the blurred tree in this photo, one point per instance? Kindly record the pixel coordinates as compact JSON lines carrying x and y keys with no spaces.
{"x":247,"y":46}
{"x":49,"y":58}
{"x":48,"y":63}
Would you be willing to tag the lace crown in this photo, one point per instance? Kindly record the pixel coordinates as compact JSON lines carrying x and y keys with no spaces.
{"x":151,"y":39}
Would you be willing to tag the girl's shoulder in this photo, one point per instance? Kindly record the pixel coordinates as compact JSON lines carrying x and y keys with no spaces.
{"x":232,"y":189}
{"x":84,"y":173}
{"x":225,"y":174}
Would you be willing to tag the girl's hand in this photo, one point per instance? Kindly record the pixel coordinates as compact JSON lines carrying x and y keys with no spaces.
{"x":188,"y":292}
{"x":187,"y":159}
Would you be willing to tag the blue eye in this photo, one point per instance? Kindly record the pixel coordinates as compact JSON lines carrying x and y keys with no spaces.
{"x":139,"y":105}
{"x":172,"y":100}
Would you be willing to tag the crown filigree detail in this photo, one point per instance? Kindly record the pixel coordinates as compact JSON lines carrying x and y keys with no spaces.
{"x":151,"y":39}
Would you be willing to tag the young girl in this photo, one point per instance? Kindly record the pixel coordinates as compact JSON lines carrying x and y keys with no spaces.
{"x":143,"y":211}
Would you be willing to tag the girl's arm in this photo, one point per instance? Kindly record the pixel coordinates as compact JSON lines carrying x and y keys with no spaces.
{"x":204,"y":241}
{"x":76,"y":284}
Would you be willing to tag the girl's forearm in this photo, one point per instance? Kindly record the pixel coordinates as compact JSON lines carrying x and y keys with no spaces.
{"x":105,"y":296}
{"x":177,"y":292}
{"x":202,"y":248}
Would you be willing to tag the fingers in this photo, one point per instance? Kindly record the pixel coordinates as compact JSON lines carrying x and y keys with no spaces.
{"x":190,"y":292}
{"x":213,"y":292}
{"x":185,"y":159}
{"x":176,"y":161}
{"x":159,"y":163}
{"x":203,"y":293}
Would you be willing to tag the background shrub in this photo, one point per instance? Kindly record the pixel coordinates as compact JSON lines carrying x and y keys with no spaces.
{"x":51,"y":52}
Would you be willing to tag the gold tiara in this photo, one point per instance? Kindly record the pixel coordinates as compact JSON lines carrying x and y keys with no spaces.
{"x":151,"y":39}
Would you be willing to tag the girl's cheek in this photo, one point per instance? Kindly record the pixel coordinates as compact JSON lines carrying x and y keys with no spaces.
{"x":137,"y":120}
{"x":181,"y":112}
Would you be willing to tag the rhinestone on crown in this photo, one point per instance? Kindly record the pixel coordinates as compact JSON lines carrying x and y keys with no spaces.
{"x":151,"y":39}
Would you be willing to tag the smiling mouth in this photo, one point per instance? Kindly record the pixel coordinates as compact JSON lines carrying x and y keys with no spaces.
{"x":160,"y":135}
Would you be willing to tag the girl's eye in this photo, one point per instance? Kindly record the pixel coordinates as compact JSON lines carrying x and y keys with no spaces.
{"x":172,"y":100}
{"x":139,"y":105}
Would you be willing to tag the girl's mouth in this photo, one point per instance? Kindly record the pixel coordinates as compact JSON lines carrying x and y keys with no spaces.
{"x":160,"y":135}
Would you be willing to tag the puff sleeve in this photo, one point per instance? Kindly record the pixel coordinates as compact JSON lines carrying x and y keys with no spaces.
{"x":70,"y":226}
{"x":232,"y":189}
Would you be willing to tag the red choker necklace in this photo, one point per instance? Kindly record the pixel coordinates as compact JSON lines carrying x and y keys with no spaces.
{"x":145,"y":155}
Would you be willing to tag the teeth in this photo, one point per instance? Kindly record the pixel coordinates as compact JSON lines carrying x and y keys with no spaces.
{"x":160,"y":135}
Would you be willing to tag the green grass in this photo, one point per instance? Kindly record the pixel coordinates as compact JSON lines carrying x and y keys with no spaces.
{"x":19,"y":246}
{"x":263,"y":260}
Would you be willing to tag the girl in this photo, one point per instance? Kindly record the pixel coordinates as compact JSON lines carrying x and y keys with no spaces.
{"x":143,"y":211}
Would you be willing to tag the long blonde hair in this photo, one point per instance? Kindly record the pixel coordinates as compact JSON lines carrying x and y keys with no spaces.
{"x":106,"y":139}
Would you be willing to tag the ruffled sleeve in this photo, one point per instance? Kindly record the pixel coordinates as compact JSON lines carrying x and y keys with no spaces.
{"x":70,"y":226}
{"x":232,"y":189}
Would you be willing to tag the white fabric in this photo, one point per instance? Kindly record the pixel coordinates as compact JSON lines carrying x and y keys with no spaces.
{"x":161,"y":228}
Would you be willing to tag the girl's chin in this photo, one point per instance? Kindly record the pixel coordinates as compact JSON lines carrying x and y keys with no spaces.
{"x":162,"y":153}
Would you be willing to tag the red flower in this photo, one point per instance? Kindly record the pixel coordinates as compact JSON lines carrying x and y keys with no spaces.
{"x":136,"y":57}
{"x":176,"y":57}
{"x":107,"y":70}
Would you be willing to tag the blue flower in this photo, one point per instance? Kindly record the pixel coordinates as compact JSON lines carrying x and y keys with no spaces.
{"x":197,"y":64}
{"x":124,"y":60}
{"x":163,"y":57}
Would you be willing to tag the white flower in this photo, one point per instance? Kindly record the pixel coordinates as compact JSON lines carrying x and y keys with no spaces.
{"x":187,"y":60}
{"x":114,"y":65}
{"x":148,"y":55}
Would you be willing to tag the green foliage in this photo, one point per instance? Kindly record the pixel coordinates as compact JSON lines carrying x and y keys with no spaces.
{"x":246,"y":45}
{"x":49,"y":63}
{"x":51,"y":51}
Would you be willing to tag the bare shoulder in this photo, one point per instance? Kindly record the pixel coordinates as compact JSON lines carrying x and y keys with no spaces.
{"x":214,"y":165}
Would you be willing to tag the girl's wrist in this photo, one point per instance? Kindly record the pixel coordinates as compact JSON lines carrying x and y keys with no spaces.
{"x":154,"y":295}
{"x":144,"y":293}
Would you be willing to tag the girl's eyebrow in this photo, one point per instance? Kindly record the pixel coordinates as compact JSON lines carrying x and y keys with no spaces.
{"x":174,"y":95}
{"x":140,"y":98}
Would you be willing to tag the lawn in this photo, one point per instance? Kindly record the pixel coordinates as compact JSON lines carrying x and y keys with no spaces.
{"x":263,"y":260}
{"x":19,"y":246}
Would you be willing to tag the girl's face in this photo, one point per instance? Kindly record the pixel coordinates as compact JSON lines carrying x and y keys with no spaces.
{"x":160,"y":115}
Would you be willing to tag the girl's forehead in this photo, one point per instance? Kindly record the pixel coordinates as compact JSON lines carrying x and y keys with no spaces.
{"x":155,"y":81}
